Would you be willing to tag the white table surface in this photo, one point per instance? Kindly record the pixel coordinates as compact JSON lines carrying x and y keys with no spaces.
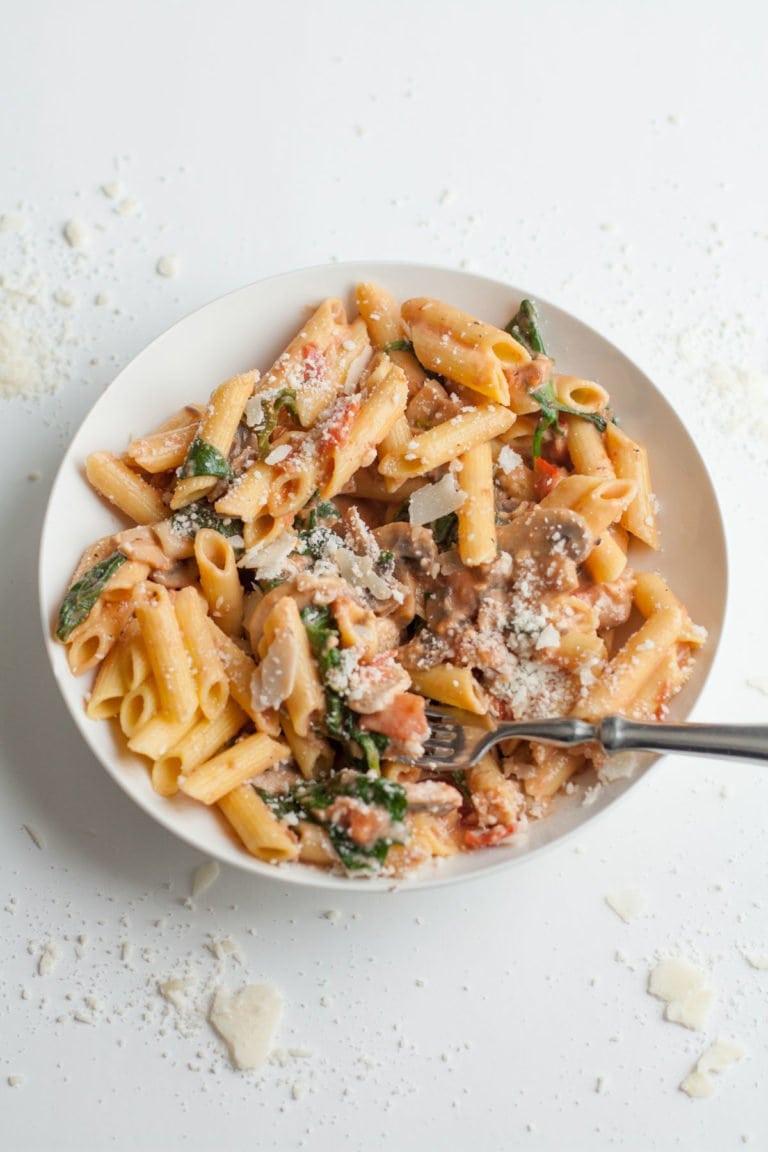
{"x":610,"y":157}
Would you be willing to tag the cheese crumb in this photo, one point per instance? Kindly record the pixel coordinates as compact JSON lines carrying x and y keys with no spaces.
{"x":167,"y":266}
{"x":760,"y":683}
{"x":47,"y":961}
{"x":508,"y":459}
{"x":755,"y":960}
{"x":719,"y":1056}
{"x":246,"y":1022}
{"x":15,"y":1081}
{"x":76,"y":234}
{"x":204,"y":876}
{"x":685,"y":991}
{"x":628,"y":904}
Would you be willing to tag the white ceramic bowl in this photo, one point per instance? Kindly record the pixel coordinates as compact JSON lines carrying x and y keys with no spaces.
{"x":249,"y":328}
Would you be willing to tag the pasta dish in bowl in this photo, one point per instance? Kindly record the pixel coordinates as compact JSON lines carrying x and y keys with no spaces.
{"x":397,"y":497}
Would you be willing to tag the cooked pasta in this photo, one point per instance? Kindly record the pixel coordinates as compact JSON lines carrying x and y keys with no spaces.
{"x":408,"y":506}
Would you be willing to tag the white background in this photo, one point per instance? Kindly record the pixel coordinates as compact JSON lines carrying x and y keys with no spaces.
{"x":610,"y":157}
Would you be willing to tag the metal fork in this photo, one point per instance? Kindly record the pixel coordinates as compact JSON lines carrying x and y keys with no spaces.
{"x":452,"y":746}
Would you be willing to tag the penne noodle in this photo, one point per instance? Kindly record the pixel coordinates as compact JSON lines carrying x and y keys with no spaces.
{"x":211,"y":679}
{"x":471,"y":352}
{"x":215,"y":434}
{"x":630,"y":461}
{"x":166,"y":652}
{"x":444,"y":442}
{"x":249,"y":757}
{"x":477,"y":515}
{"x":219,"y":579}
{"x":125,"y":488}
{"x":261,"y":833}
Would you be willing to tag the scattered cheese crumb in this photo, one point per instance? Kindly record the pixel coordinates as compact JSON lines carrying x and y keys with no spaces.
{"x":167,"y":266}
{"x":628,"y":904}
{"x":756,"y":960}
{"x":204,"y":876}
{"x":128,"y":206}
{"x":760,"y":683}
{"x":47,"y":961}
{"x":75,"y":234}
{"x":246,"y":1022}
{"x":15,"y":1081}
{"x":719,"y":1056}
{"x":12,"y":222}
{"x":65,"y":297}
{"x":685,"y":991}
{"x":508,"y":459}
{"x":113,"y":189}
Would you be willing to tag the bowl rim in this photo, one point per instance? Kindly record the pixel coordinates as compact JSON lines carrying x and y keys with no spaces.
{"x":430,"y":875}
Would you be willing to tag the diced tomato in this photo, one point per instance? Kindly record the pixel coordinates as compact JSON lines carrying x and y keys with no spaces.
{"x":313,"y":363}
{"x":403,"y":720}
{"x":337,"y":430}
{"x":487,"y":837}
{"x":545,"y":476}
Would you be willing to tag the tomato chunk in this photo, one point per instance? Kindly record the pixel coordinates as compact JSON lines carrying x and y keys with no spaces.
{"x":403,"y":720}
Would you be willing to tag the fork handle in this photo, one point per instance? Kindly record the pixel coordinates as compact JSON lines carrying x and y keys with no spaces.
{"x":563,"y":731}
{"x":730,"y":741}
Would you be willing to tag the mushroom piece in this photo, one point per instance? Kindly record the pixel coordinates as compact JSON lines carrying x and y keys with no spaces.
{"x":415,"y":552}
{"x":554,"y":540}
{"x":432,"y":796}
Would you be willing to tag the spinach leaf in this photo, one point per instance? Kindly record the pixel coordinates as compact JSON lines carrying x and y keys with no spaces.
{"x":314,"y":534}
{"x":550,"y":406}
{"x":82,"y":596}
{"x":270,"y":410}
{"x":399,"y":346}
{"x":524,"y":327}
{"x":341,"y":722}
{"x":445,"y":530}
{"x":309,"y":799}
{"x":189,"y":520}
{"x":203,"y":459}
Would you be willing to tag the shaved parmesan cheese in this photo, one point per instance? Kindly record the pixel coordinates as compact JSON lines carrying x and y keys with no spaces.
{"x":246,"y":1022}
{"x":685,"y":991}
{"x":277,"y":454}
{"x":273,"y":680}
{"x":270,"y":561}
{"x":356,"y":369}
{"x":435,"y":500}
{"x":204,"y":876}
{"x":508,"y":459}
{"x":359,"y":571}
{"x":627,"y":904}
{"x":716,"y":1058}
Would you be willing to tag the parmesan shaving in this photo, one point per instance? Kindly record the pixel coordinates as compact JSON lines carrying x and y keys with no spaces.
{"x":246,"y":1021}
{"x":270,"y":561}
{"x":435,"y":500}
{"x":719,"y":1056}
{"x":685,"y":991}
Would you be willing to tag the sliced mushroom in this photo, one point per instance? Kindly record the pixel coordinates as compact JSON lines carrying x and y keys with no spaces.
{"x":554,"y":540}
{"x":416,"y":559}
{"x":432,"y":796}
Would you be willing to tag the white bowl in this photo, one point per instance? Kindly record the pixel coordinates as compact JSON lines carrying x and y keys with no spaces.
{"x":249,"y":328}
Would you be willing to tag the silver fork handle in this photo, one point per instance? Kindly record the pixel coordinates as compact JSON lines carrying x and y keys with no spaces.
{"x":564,"y":731}
{"x":731,"y":741}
